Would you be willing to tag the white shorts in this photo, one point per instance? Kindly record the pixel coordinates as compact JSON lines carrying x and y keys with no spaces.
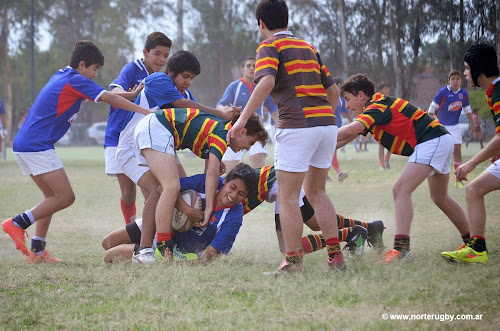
{"x":132,"y":170}
{"x":37,"y":163}
{"x":112,"y":166}
{"x":256,"y":148}
{"x":456,"y":133}
{"x":297,"y":149}
{"x":436,"y":153}
{"x":494,"y":169}
{"x":150,"y":133}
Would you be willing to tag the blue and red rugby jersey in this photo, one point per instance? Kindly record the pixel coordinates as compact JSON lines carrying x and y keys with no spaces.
{"x":54,"y":110}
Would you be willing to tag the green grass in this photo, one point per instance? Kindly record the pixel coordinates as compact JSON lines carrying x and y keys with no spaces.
{"x":232,"y":293}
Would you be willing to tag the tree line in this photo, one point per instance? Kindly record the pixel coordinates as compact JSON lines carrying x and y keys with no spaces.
{"x":392,"y":41}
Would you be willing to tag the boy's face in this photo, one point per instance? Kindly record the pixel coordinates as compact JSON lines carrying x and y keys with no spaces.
{"x":468,"y":75}
{"x":242,"y":141}
{"x":90,"y":72}
{"x":248,"y":69}
{"x":455,"y":82}
{"x":183,"y":80}
{"x":156,"y":58}
{"x":232,"y":192}
{"x":356,"y":103}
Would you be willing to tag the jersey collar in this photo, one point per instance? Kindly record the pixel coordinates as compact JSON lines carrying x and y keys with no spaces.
{"x":140,"y":64}
{"x":490,"y":90}
{"x":286,"y":32}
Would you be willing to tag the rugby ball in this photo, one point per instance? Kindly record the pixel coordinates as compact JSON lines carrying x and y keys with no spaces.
{"x":180,"y":221}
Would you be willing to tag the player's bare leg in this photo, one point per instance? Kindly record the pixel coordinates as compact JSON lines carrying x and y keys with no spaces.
{"x":475,"y":192}
{"x":412,"y":176}
{"x":230,"y":165}
{"x":438,"y":187}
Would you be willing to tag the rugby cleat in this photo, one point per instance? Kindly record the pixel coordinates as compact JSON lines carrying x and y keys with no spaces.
{"x":45,"y":257}
{"x":357,"y":243}
{"x":144,"y":256}
{"x":375,"y":234}
{"x":466,"y":255}
{"x":394,"y":255}
{"x":337,"y":262}
{"x":17,"y":234}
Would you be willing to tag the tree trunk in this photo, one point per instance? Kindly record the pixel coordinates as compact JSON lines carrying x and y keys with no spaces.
{"x":461,"y":46}
{"x":4,"y":42}
{"x":343,"y":39}
{"x":395,"y":62}
{"x":450,"y":34}
{"x":180,"y":25}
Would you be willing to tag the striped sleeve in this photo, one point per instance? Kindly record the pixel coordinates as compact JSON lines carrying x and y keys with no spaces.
{"x":326,"y":78}
{"x":216,"y":145}
{"x":267,"y":61}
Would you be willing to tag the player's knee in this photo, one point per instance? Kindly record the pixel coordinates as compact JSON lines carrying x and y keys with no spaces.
{"x":67,"y":199}
{"x":472,"y":191}
{"x":106,"y":243}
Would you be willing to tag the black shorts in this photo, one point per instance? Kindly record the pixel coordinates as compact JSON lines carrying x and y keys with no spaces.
{"x":133,"y":232}
{"x":306,"y":210}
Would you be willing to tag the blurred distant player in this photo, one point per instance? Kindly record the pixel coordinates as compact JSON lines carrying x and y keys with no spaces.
{"x":449,"y":103}
{"x":237,"y":94}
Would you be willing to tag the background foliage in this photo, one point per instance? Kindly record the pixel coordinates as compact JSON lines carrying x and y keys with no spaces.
{"x":391,"y":40}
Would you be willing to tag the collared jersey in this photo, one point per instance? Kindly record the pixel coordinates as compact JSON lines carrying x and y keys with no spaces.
{"x":301,"y":81}
{"x":398,"y":125}
{"x":55,"y":109}
{"x":131,"y":74}
{"x":238,"y":93}
{"x":450,"y":105}
{"x":159,"y":90}
{"x":493,"y":95}
{"x":201,"y":132}
{"x":267,"y":177}
{"x":222,"y":229}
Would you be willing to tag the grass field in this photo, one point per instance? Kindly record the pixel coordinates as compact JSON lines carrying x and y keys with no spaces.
{"x":232,"y":293}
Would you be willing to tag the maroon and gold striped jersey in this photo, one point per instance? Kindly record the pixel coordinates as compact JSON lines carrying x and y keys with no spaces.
{"x":301,"y":80}
{"x":201,"y":132}
{"x":267,"y":177}
{"x":398,"y":125}
{"x":493,"y":95}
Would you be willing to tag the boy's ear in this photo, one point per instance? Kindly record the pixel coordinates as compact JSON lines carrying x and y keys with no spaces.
{"x":144,"y":52}
{"x":243,"y":131}
{"x":170,"y":73}
{"x":82,"y":65}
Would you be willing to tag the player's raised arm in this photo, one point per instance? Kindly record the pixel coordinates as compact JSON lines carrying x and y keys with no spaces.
{"x":120,"y":102}
{"x":259,"y":94}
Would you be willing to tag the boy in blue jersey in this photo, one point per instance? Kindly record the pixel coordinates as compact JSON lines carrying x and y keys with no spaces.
{"x":128,"y":85}
{"x":237,"y":94}
{"x":207,"y":242}
{"x":166,"y":91}
{"x":481,"y":70}
{"x":50,"y":117}
{"x":449,"y":103}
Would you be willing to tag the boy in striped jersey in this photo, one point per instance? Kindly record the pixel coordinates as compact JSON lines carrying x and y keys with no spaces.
{"x":352,"y":231}
{"x":158,"y":135}
{"x":405,"y":130}
{"x":291,"y":71}
{"x":481,"y":69}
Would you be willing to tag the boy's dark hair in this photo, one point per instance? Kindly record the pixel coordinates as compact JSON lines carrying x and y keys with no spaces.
{"x":382,"y":85}
{"x":183,"y":61}
{"x":244,"y":172}
{"x":481,"y":58}
{"x":357,"y":83}
{"x":157,"y":39}
{"x":338,"y":81}
{"x":244,"y":61}
{"x":255,"y":127}
{"x":274,"y":14}
{"x":87,"y":51}
{"x":453,"y":73}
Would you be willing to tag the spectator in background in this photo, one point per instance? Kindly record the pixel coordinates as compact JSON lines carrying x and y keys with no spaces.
{"x":477,"y":134}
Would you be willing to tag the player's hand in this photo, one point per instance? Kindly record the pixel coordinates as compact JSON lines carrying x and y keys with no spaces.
{"x":195,"y":215}
{"x":463,"y":169}
{"x":237,"y":127}
{"x":4,"y":133}
{"x":169,"y":256}
{"x":222,"y":169}
{"x":231,"y":113}
{"x":495,"y":158}
{"x":136,"y":89}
